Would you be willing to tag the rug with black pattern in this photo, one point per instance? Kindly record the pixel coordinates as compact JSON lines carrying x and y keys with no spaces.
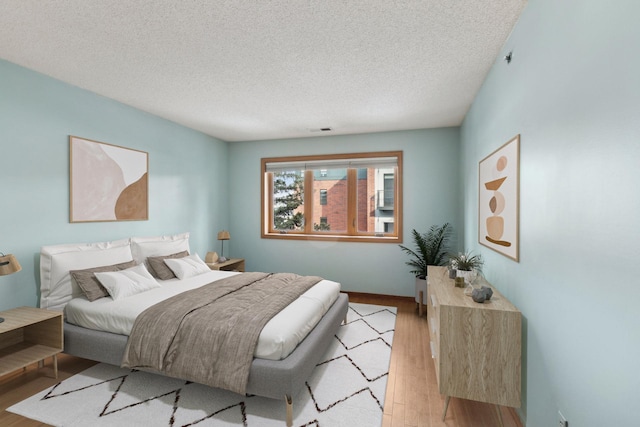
{"x":347,"y":388}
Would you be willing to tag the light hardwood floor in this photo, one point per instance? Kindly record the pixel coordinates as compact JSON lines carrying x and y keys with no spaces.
{"x":412,"y":398}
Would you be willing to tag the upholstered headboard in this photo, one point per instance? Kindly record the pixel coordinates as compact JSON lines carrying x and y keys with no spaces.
{"x":56,"y":285}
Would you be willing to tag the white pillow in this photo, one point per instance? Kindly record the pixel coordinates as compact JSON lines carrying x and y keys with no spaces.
{"x":144,"y":247}
{"x":124,"y":283}
{"x":56,"y":286}
{"x":188,"y":266}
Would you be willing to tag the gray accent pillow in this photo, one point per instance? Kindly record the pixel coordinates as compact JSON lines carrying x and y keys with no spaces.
{"x":159,"y":269}
{"x":87,"y":281}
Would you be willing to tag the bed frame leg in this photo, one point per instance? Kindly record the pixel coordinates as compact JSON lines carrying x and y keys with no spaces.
{"x":289,"y":403}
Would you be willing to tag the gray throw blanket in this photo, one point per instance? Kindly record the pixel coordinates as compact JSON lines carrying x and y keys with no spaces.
{"x":208,"y":335}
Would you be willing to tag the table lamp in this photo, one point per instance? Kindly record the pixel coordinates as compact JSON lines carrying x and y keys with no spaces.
{"x":8,"y":265}
{"x":223,"y":235}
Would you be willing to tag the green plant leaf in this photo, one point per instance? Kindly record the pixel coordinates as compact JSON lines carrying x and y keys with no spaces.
{"x":431,"y":248}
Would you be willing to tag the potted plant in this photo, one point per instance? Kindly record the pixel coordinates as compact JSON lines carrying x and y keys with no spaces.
{"x":466,"y":265}
{"x":431,"y":248}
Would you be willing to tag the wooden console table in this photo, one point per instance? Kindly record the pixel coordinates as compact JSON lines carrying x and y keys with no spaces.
{"x":476,"y":347}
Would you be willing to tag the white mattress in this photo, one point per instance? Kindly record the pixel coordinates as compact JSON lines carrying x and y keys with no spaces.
{"x":277,"y":340}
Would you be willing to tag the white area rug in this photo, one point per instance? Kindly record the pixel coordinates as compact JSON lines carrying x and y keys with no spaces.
{"x":346,"y":388}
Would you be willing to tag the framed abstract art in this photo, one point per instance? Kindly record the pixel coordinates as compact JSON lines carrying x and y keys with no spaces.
{"x":107,"y":182}
{"x":499,"y":199}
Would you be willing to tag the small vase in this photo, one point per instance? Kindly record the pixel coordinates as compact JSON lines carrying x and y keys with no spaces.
{"x":468,"y":290}
{"x":469,"y":276}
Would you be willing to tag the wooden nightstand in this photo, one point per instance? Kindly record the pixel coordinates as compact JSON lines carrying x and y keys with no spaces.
{"x":29,"y":335}
{"x":234,"y":264}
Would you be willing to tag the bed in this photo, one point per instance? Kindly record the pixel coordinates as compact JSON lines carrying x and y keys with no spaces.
{"x":98,"y":330}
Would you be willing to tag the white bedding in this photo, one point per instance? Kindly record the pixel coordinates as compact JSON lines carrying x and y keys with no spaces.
{"x":277,"y":340}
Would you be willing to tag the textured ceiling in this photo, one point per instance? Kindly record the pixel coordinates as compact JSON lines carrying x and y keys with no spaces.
{"x":251,"y":70}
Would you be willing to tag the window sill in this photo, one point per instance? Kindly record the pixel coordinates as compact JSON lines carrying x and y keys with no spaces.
{"x":333,"y":237}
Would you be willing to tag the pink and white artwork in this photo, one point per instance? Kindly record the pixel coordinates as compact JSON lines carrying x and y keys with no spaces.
{"x":498,"y":199}
{"x":107,"y":182}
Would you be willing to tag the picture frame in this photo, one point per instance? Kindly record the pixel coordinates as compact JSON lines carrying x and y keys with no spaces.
{"x":499,"y":200}
{"x":107,"y":182}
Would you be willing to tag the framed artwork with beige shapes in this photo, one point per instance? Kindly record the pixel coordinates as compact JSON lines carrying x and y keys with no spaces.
{"x":499,"y":199}
{"x":107,"y":182}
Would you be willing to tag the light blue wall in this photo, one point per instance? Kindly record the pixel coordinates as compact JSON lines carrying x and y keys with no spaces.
{"x":187,"y":173}
{"x":573,"y":93}
{"x":431,"y":196}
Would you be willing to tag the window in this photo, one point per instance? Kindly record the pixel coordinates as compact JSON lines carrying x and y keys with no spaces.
{"x":323,"y":197}
{"x":387,"y":200}
{"x":388,"y":227}
{"x":352,"y":197}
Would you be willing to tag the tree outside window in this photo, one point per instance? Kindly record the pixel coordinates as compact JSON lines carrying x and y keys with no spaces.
{"x":288,"y":200}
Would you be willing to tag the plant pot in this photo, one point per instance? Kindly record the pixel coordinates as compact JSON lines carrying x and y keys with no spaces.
{"x":421,"y":286}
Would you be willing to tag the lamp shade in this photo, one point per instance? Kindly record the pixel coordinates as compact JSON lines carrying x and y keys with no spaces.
{"x":224,"y":235}
{"x":8,"y":265}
